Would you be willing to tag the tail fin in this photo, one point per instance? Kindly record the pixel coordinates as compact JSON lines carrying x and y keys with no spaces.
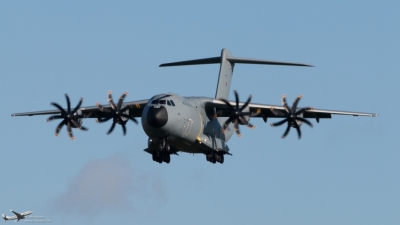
{"x":4,"y":217}
{"x":227,"y":62}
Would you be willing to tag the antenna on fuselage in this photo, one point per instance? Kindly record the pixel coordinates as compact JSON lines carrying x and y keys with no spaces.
{"x":227,"y":62}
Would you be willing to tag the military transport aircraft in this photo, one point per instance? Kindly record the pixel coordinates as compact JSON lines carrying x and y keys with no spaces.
{"x":191,"y":124}
{"x":18,"y":216}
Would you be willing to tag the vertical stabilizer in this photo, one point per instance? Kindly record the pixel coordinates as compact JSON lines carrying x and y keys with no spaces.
{"x":225,"y":75}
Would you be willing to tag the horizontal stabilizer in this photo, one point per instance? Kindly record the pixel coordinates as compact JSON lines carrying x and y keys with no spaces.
{"x":212,"y":60}
{"x":233,"y":60}
{"x":265,"y":62}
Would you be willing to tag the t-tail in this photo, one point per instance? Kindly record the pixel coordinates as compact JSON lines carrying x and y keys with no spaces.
{"x":228,"y":62}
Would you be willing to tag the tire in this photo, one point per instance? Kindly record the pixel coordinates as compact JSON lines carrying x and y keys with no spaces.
{"x":218,"y":158}
{"x":222,"y":159}
{"x":168,"y":158}
{"x":160,"y":147}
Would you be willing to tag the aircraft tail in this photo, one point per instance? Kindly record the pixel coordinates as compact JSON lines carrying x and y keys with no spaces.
{"x":227,"y":62}
{"x":4,"y":217}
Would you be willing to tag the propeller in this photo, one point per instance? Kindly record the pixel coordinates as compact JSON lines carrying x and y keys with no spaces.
{"x":237,"y":114}
{"x":70,"y":118}
{"x":115,"y":113}
{"x":292,"y":116}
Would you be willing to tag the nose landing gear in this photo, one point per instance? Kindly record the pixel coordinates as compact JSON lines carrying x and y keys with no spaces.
{"x":214,"y":157}
{"x":161,"y":157}
{"x":163,"y":154}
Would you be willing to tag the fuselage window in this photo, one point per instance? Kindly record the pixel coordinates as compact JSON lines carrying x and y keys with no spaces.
{"x":155,"y":102}
{"x":162,"y":102}
{"x":168,"y":102}
{"x":172,"y":102}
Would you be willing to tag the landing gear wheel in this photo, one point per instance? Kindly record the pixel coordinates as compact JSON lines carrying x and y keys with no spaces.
{"x":218,"y":158}
{"x":214,"y":158}
{"x":222,"y":159}
{"x":167,"y":158}
{"x":157,"y":156}
{"x":208,"y":157}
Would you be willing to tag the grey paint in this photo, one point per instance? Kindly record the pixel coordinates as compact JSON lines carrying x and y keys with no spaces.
{"x":191,"y":126}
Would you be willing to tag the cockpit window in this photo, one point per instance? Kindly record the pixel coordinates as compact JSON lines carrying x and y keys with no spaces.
{"x":163,"y":102}
{"x":172,"y":102}
{"x":155,"y":102}
{"x":168,"y":102}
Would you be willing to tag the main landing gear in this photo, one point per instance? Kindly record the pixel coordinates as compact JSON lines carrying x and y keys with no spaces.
{"x":163,"y":154}
{"x":214,"y":157}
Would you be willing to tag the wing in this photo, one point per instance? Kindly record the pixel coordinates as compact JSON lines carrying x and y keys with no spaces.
{"x":17,"y":214}
{"x":266,"y":111}
{"x":135,"y":110}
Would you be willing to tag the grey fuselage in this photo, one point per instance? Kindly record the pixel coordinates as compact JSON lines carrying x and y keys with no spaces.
{"x":185,"y":123}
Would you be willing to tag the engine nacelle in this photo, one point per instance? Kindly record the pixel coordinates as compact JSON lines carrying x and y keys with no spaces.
{"x":299,"y":123}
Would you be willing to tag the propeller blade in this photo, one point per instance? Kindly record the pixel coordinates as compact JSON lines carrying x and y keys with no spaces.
{"x":83,"y":128}
{"x":129,"y":117}
{"x":79,"y":126}
{"x":102,"y":108}
{"x":228,"y":104}
{"x":277,"y":113}
{"x":284,"y":103}
{"x":60,"y":125}
{"x":279,"y":123}
{"x":54,"y":117}
{"x":243,"y":120}
{"x":110,"y":100}
{"x":70,"y":131}
{"x":236,"y":98}
{"x":287,"y":131}
{"x":298,"y":130}
{"x":121,"y":99}
{"x":249,"y":125}
{"x":58,"y":107}
{"x":303,"y":110}
{"x":77,"y":106}
{"x":296,"y":101}
{"x":101,"y":120}
{"x":123,"y":128}
{"x":236,"y":125}
{"x":68,"y":103}
{"x":76,"y":124}
{"x":305,"y":121}
{"x":246,"y":104}
{"x":226,"y":124}
{"x":112,"y":128}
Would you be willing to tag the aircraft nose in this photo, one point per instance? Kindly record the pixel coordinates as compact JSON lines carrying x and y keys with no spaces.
{"x":157,"y":117}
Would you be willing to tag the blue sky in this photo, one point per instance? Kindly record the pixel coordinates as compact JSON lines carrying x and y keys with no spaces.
{"x":343,"y":171}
